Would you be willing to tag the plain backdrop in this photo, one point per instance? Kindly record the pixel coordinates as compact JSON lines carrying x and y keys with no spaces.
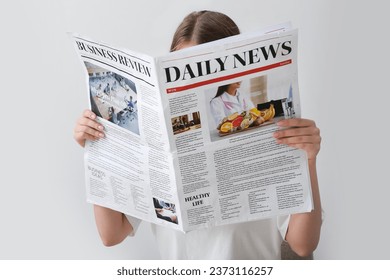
{"x":344,"y":85}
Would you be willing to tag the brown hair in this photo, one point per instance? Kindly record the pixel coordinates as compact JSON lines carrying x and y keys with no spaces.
{"x":202,"y":27}
{"x":221,"y":90}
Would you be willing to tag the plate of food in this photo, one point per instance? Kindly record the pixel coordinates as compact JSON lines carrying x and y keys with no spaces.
{"x":245,"y":120}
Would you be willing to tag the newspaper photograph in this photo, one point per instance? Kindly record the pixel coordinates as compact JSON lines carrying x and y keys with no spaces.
{"x":189,"y":135}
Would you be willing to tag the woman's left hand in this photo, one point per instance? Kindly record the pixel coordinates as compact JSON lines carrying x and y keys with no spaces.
{"x":300,"y":133}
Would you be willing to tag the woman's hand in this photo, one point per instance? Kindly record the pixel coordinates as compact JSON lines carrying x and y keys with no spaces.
{"x":300,"y":133}
{"x":87,"y":128}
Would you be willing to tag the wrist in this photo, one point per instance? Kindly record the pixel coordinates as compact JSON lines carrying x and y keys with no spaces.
{"x":312,"y":162}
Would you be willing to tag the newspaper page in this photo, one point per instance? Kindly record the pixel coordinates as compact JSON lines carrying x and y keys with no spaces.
{"x":229,"y":167}
{"x":189,"y":135}
{"x":131,"y":169}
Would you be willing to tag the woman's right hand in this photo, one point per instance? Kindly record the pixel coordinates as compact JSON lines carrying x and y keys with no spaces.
{"x":87,"y":128}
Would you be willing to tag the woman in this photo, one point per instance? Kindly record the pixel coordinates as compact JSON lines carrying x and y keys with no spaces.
{"x":251,"y":240}
{"x":229,"y":100}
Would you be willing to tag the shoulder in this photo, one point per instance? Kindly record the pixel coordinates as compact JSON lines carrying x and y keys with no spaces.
{"x":241,"y":95}
{"x":216,"y":100}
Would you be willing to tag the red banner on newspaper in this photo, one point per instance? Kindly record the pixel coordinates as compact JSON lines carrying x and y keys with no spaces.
{"x":228,"y":77}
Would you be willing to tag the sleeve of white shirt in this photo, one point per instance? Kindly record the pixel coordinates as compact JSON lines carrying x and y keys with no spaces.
{"x":135,"y":222}
{"x":216,"y":107}
{"x":249,"y":104}
{"x":282,"y":222}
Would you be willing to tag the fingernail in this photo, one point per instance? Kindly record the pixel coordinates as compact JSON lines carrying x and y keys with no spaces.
{"x":276,"y":134}
{"x":101,"y":135}
{"x":100,"y":127}
{"x":92,"y":116}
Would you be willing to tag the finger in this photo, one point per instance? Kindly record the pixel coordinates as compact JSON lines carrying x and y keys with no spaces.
{"x":296,"y":122}
{"x":83,"y":121}
{"x":88,"y":130}
{"x":302,"y":146}
{"x":316,"y":139}
{"x":289,"y":132}
{"x":82,"y":136}
{"x":89,"y":114}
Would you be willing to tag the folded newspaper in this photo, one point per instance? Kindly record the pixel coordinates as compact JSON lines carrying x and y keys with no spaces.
{"x":189,"y":135}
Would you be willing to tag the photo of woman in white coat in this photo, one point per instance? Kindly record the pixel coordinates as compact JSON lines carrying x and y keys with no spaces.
{"x":229,"y":100}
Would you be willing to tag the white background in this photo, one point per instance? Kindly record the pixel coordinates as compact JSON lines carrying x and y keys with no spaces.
{"x":344,"y":85}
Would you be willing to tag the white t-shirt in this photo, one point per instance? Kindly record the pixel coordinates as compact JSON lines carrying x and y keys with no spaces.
{"x":259,"y":239}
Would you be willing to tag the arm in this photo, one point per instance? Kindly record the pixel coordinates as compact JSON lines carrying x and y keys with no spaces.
{"x":248,"y":102}
{"x":113,"y":226}
{"x":216,"y":108}
{"x":303,"y":232}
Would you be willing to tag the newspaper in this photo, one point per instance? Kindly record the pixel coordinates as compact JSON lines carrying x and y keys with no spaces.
{"x":183,"y":152}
